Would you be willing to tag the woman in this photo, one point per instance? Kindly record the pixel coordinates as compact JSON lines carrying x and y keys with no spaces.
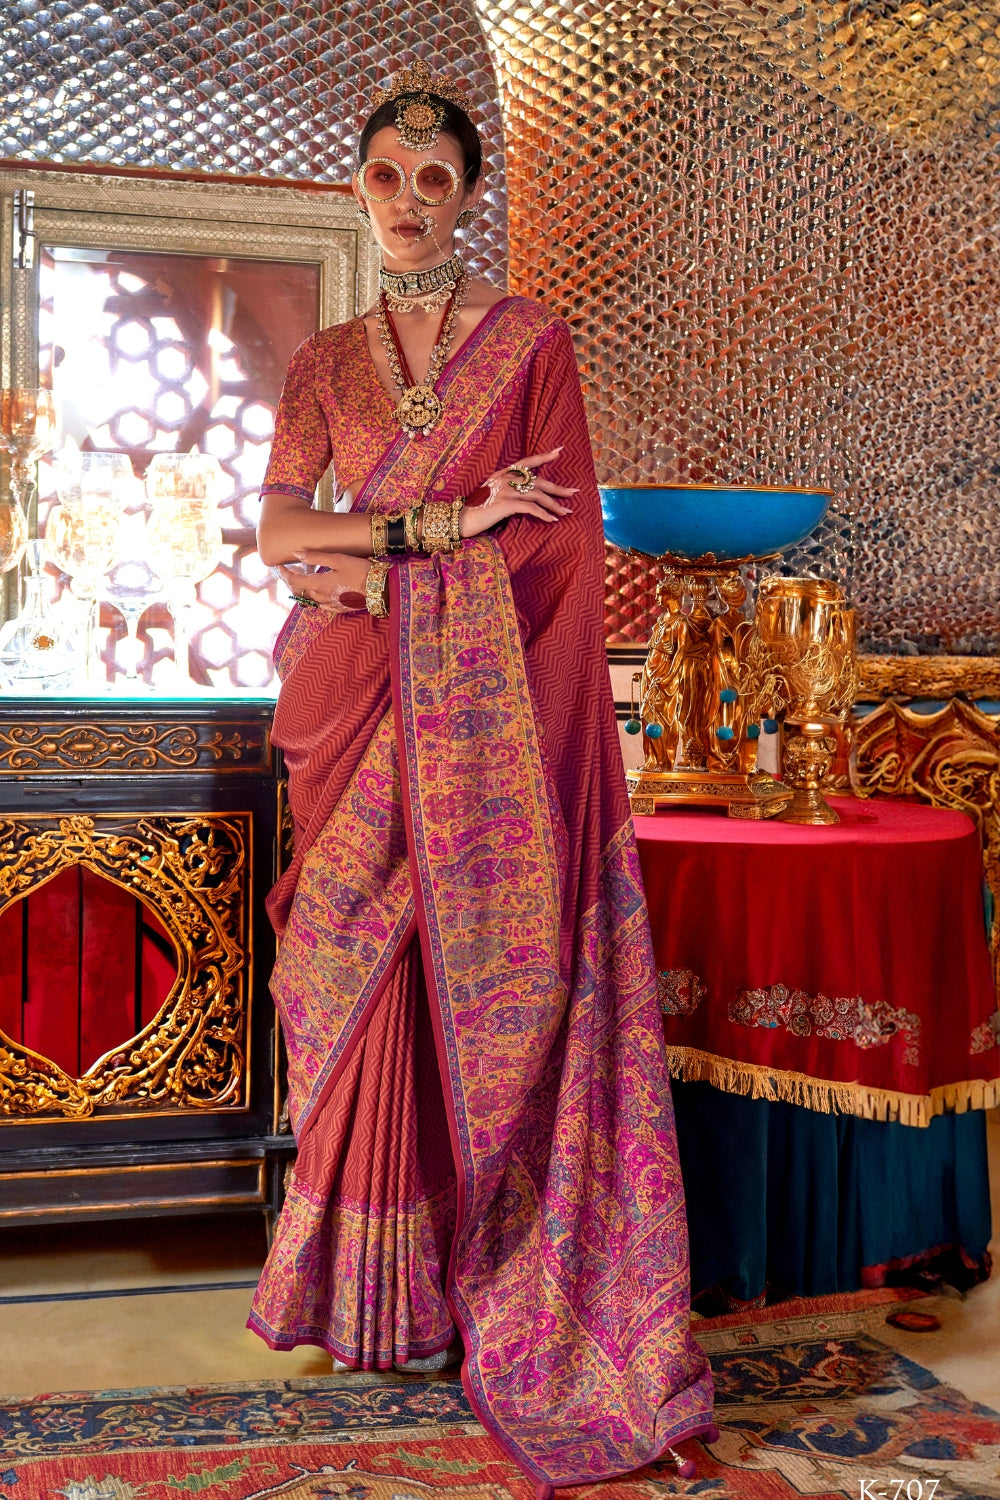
{"x":465,"y":979}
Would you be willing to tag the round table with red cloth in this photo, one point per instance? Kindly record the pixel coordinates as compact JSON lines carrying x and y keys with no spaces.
{"x":841,"y":967}
{"x":827,"y":1003}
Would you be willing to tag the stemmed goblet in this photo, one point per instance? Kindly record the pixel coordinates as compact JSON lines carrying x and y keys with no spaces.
{"x":808,"y":631}
{"x":81,"y":533}
{"x":185,"y":535}
{"x":132,"y":585}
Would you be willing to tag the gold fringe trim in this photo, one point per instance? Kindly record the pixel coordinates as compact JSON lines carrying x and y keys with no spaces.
{"x":830,"y":1098}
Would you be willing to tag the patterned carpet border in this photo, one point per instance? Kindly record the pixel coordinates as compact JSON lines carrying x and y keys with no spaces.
{"x":850,"y":1302}
{"x":812,"y":1403}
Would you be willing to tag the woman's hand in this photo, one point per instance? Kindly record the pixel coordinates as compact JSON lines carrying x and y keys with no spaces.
{"x":340,"y":590}
{"x":541,"y":500}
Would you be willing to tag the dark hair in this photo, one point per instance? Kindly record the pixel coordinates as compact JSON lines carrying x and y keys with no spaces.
{"x":456,"y":124}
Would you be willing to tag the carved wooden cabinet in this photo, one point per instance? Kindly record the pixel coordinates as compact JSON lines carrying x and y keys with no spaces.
{"x":139,"y":1056}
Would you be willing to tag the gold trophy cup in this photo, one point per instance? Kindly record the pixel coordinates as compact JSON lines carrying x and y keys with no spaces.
{"x":808,"y":631}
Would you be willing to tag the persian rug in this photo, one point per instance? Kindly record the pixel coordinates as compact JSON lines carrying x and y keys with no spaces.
{"x":812,"y":1403}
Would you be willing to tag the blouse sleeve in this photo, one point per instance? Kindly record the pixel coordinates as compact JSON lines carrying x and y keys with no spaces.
{"x":301,"y":448}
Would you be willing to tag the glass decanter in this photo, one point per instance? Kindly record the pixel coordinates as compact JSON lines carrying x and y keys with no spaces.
{"x":37,"y":647}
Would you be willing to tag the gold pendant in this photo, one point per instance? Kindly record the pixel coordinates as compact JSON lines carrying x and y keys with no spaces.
{"x":419,"y":409}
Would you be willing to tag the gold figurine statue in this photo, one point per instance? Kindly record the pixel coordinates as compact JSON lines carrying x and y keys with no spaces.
{"x":660,"y":684}
{"x":716,"y":681}
{"x":700,"y":702}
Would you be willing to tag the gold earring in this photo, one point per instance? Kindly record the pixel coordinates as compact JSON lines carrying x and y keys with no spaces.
{"x":467,"y":218}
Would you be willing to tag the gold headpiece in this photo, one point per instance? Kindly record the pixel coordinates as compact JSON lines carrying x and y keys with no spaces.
{"x":419,"y":117}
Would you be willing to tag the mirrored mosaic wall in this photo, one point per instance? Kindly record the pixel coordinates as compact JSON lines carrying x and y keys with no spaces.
{"x":254,"y":88}
{"x":250,"y":89}
{"x":772,"y":227}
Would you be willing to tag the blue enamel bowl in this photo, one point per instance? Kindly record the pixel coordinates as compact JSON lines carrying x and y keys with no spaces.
{"x":693,"y":520}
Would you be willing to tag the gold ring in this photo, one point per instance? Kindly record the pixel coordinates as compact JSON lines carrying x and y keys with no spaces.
{"x":520,"y":479}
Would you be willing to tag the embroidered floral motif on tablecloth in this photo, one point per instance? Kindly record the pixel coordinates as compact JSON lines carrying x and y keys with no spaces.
{"x":987,"y":1035}
{"x":838,"y":1019}
{"x":680,"y":991}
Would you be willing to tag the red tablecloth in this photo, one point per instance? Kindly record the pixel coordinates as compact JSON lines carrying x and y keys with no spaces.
{"x":842,"y":968}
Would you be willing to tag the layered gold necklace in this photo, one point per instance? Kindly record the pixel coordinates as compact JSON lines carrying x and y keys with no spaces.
{"x":419,"y":407}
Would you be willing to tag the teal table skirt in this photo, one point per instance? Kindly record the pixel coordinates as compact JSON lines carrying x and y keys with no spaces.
{"x":787,"y":1202}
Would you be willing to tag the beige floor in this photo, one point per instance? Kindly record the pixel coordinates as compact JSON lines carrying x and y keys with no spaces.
{"x":965,"y":1352}
{"x":199,"y":1337}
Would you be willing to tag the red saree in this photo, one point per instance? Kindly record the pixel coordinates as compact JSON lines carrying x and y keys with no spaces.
{"x":465,"y":886}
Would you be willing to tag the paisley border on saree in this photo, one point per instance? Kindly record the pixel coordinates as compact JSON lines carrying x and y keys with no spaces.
{"x":460,"y":676}
{"x":366,"y":856}
{"x":621,"y":1393}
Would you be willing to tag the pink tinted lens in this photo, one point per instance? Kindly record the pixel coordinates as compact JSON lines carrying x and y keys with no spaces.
{"x":435,"y":183}
{"x":382,"y":180}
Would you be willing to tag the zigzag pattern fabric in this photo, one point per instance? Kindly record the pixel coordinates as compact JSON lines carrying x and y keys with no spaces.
{"x":457,"y":790}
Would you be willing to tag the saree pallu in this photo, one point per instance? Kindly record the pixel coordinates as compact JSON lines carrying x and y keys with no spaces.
{"x":456,"y":783}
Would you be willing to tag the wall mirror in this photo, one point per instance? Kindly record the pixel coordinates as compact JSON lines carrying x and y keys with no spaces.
{"x":162,"y":315}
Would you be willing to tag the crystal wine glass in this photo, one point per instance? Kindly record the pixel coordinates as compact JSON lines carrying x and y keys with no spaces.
{"x":82,"y":533}
{"x":185,"y":534}
{"x":132,"y":585}
{"x":13,"y":535}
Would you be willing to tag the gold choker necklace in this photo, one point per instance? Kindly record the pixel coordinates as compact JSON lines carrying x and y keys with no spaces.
{"x":413,"y":284}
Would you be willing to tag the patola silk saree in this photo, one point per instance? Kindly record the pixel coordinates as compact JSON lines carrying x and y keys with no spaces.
{"x":465,"y":978}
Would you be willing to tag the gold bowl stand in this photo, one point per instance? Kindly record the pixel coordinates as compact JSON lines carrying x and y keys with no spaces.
{"x":702,"y":694}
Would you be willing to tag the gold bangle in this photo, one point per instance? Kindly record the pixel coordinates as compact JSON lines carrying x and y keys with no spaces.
{"x":380,"y":535}
{"x":412,"y":534}
{"x":376,"y":594}
{"x":457,"y":507}
{"x":436,"y":536}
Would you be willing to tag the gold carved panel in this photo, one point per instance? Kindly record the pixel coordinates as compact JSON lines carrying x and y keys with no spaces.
{"x":949,"y":759}
{"x":108,"y":749}
{"x":928,"y":677}
{"x":194,"y":872}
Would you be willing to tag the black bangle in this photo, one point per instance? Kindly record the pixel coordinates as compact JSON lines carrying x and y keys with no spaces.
{"x":395,"y":542}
